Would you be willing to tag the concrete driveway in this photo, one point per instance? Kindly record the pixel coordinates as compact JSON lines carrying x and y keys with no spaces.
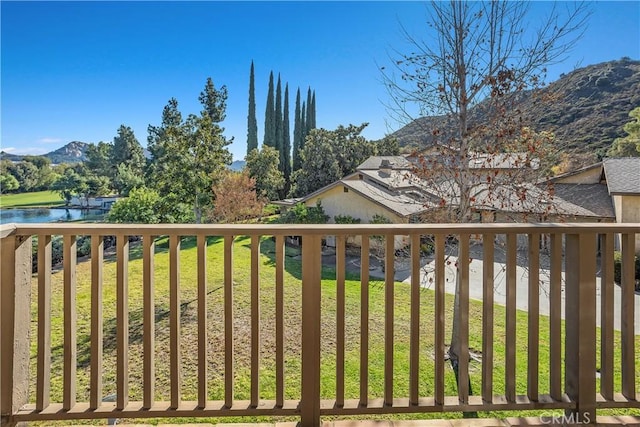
{"x":522,"y":275}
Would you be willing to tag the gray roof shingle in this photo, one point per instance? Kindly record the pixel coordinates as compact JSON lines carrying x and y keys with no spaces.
{"x":623,"y":175}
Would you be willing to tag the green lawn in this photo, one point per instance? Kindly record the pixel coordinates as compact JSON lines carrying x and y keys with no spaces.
{"x":29,"y":200}
{"x":292,"y":339}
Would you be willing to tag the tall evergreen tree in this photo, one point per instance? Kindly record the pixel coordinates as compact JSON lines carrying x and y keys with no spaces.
{"x":269,"y":117}
{"x":278,"y":122}
{"x":286,"y":139}
{"x":303,"y":127}
{"x":309,"y":119}
{"x":297,"y":134}
{"x":252,"y":124}
{"x":313,"y":110}
{"x":214,"y":101}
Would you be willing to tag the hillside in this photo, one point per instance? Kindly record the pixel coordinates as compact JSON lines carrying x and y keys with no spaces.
{"x":591,"y":105}
{"x":72,"y":152}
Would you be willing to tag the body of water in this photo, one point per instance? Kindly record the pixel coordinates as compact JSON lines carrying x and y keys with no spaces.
{"x":34,"y":215}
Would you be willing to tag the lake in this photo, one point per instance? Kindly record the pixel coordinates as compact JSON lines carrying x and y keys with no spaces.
{"x":34,"y":215}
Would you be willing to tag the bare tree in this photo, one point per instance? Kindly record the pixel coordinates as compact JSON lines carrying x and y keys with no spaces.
{"x":479,"y":60}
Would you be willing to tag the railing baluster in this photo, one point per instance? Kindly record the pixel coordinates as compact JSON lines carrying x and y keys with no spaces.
{"x":627,"y":313}
{"x":97,"y":261}
{"x":44,"y":322}
{"x":533,"y":332}
{"x":69,"y":258}
{"x":122,"y":321}
{"x":580,"y":337}
{"x":311,"y":300}
{"x":438,"y":345}
{"x":149,"y":320}
{"x":510,"y":339}
{"x":606,"y":316}
{"x":487,"y":316}
{"x":228,"y":321}
{"x":340,"y":318}
{"x":414,"y":339}
{"x":389,"y":258}
{"x":202,"y":320}
{"x":463,"y":271}
{"x":174,"y":321}
{"x":364,"y":321}
{"x":255,"y":320}
{"x":280,"y":247}
{"x":555,"y":318}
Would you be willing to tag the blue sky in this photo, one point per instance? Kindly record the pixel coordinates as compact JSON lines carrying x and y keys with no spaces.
{"x":78,"y":70}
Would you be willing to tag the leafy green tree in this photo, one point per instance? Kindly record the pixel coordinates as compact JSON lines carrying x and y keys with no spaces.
{"x":126,"y":179}
{"x":99,"y":158}
{"x":45,"y":175}
{"x":127,"y":150}
{"x":69,"y":184}
{"x":252,"y":124}
{"x":628,"y":146}
{"x":26,"y":173}
{"x":297,"y":134}
{"x":270,"y":117}
{"x":214,"y":101}
{"x":143,"y":205}
{"x":8,"y":183}
{"x":188,"y":157}
{"x":262,"y":166}
{"x":328,"y":156}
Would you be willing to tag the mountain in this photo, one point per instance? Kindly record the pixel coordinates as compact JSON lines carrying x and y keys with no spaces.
{"x":237,"y":165}
{"x":72,"y":152}
{"x":590,"y":106}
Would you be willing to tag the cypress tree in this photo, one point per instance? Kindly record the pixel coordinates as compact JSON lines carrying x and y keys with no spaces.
{"x":269,"y":117}
{"x":252,"y":124}
{"x":286,"y":139}
{"x":309,"y":119}
{"x":297,"y":134}
{"x":313,"y":110}
{"x":303,"y":127}
{"x":278,"y":123}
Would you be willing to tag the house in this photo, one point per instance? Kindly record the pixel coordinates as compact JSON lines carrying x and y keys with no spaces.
{"x":613,"y":183}
{"x":388,"y":186}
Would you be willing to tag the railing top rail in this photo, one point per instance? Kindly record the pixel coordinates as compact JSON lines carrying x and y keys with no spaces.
{"x":315,"y":229}
{"x":7,"y":230}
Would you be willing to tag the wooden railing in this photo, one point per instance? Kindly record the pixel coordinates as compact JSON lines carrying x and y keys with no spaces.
{"x":575,"y":348}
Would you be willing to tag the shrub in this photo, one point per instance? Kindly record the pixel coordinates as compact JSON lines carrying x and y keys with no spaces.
{"x":346,"y":219}
{"x":302,"y":214}
{"x":617,"y":268}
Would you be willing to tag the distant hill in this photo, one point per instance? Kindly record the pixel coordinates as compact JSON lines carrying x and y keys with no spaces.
{"x":72,"y":152}
{"x":591,"y":105}
{"x":237,"y":165}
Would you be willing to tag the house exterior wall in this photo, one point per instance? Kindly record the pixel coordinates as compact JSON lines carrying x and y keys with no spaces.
{"x":336,"y":202}
{"x":627,"y":208}
{"x":589,"y":176}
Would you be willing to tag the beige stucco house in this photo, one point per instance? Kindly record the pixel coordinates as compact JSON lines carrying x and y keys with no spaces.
{"x":619,"y":177}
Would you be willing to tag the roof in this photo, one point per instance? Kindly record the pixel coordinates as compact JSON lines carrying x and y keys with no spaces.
{"x":502,"y":161}
{"x":623,"y":175}
{"x":401,"y":204}
{"x":375,"y":163}
{"x":594,"y":198}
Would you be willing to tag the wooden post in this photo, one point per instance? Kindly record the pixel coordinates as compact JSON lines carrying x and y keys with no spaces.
{"x":311,"y":275}
{"x":580,"y":338}
{"x":15,"y":299}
